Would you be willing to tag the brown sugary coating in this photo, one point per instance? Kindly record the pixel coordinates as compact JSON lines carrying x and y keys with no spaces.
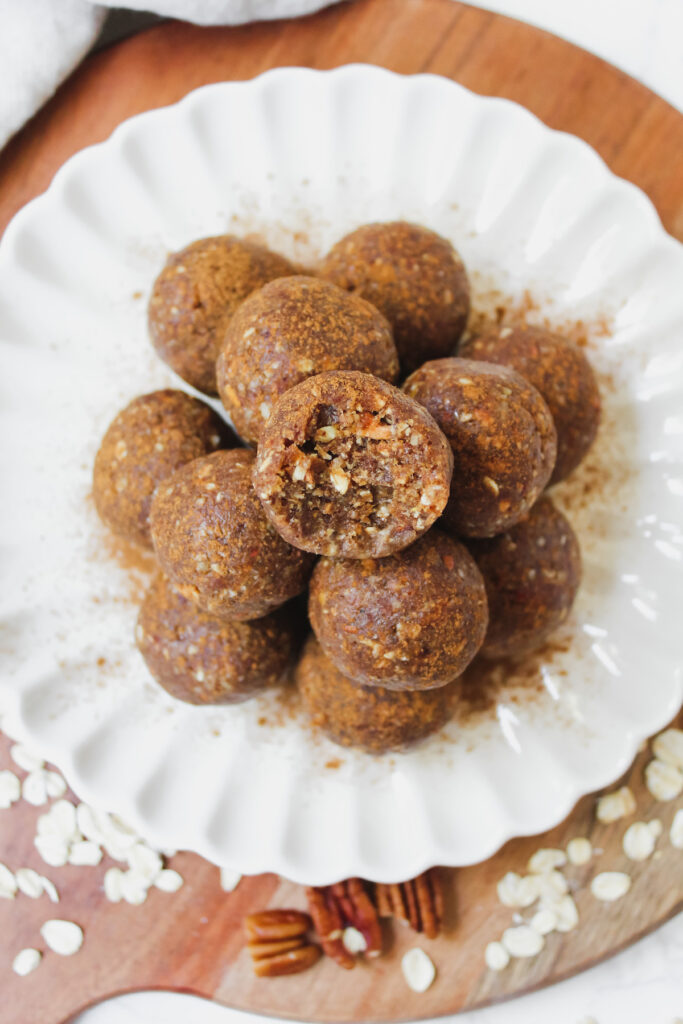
{"x":195,"y":295}
{"x":532,"y":573}
{"x":412,"y":621}
{"x":369,"y":717}
{"x":503,"y":440}
{"x":291,"y":329}
{"x":414,"y":276}
{"x":560,"y":371}
{"x":350,"y":466}
{"x":146,"y":442}
{"x":212,"y":538}
{"x":201,"y":659}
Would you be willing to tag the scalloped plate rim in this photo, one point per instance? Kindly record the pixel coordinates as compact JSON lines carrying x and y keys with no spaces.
{"x":272,"y":860}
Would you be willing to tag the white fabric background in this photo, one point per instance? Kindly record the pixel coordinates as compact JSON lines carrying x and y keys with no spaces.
{"x":40,"y":41}
{"x":226,"y":12}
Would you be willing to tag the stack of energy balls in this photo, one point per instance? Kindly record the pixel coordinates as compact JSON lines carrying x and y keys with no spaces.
{"x":413,"y":512}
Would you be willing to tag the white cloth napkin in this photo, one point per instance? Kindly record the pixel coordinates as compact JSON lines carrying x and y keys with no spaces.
{"x":223,"y":12}
{"x":41,"y":41}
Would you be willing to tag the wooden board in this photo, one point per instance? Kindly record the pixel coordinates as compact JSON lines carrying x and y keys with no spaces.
{"x":192,"y":941}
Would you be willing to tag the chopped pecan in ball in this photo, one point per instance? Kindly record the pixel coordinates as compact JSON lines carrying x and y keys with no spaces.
{"x":350,"y":466}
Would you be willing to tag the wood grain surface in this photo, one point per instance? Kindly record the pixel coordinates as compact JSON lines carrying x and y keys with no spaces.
{"x":192,"y":940}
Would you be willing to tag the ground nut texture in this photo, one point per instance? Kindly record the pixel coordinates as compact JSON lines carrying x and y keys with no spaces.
{"x":413,"y":276}
{"x":201,"y":659}
{"x":212,"y":538}
{"x":369,"y":717}
{"x":531,"y":574}
{"x":149,"y":440}
{"x":289,"y":330}
{"x":195,"y":295}
{"x":350,"y":466}
{"x":560,"y":371}
{"x":502,"y":436}
{"x":411,"y":621}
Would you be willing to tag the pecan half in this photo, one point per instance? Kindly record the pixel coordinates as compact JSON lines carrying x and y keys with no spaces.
{"x":418,"y":902}
{"x":383,"y":900}
{"x":263,"y":950}
{"x":273,"y":925}
{"x":413,"y":909}
{"x":328,"y":923}
{"x":364,"y":916}
{"x":292,"y":962}
{"x":345,"y":905}
{"x":429,"y":924}
{"x":399,"y":902}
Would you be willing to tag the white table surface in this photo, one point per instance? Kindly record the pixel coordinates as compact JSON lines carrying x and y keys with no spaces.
{"x":643,"y":985}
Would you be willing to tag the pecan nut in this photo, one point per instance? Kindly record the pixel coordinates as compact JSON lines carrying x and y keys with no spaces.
{"x":412,"y":904}
{"x":430,"y":917}
{"x":346,"y":904}
{"x":328,"y":923}
{"x":418,"y":902}
{"x":292,"y":962}
{"x":364,"y":916}
{"x":273,"y":925}
{"x":263,"y":950}
{"x":383,"y":900}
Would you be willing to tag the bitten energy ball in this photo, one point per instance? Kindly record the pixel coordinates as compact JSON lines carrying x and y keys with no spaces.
{"x":289,"y":330}
{"x":149,"y":440}
{"x":204,"y":660}
{"x":532,"y":573}
{"x":415,"y":277}
{"x":502,"y":436}
{"x":560,"y":371}
{"x":212,"y":538}
{"x":350,"y":466}
{"x":369,"y":717}
{"x":412,"y":621}
{"x":195,"y":295}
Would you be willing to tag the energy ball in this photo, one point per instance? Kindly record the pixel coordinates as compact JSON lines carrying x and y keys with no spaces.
{"x":412,"y":621}
{"x":149,"y":440}
{"x":413,"y":276}
{"x":560,"y":371}
{"x":503,"y":440}
{"x":195,"y":295}
{"x":350,"y":466}
{"x":213,"y":540}
{"x":291,"y":329}
{"x":201,"y":659}
{"x":369,"y":717}
{"x":532,"y":573}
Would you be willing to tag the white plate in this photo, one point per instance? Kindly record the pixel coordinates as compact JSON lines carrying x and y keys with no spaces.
{"x":302,"y":157}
